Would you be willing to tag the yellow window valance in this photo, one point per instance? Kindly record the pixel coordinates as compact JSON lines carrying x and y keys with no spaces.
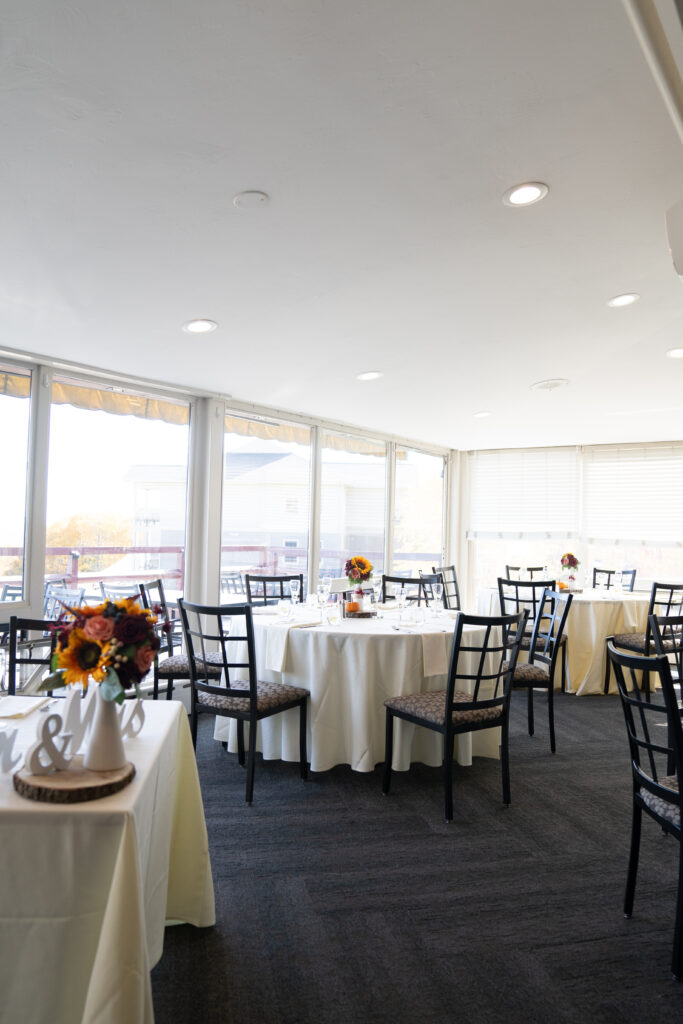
{"x":293,"y":432}
{"x":99,"y":399}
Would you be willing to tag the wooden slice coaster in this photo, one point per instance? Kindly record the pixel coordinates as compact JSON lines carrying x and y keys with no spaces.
{"x":73,"y":786}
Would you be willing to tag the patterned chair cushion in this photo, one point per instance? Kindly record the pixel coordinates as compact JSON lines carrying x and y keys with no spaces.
{"x":660,"y":806}
{"x":179,"y":665}
{"x":526,"y":675}
{"x":526,"y":643}
{"x":431,"y":707}
{"x":269,"y":696}
{"x":631,"y":641}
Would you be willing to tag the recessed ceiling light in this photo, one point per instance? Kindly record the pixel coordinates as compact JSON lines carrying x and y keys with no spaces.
{"x":675,"y":353}
{"x":627,"y":299}
{"x":549,"y":385}
{"x":200,"y":326}
{"x":251,"y":200}
{"x":480,"y":415}
{"x":526,"y":194}
{"x":369,"y":375}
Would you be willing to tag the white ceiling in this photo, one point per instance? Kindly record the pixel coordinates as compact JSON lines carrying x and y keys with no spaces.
{"x":385,"y":133}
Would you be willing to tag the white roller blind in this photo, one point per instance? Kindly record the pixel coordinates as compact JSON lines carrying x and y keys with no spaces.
{"x":634,"y":494}
{"x":528,"y":492}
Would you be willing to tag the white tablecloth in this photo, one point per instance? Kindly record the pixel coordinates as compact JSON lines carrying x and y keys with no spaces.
{"x":350,"y":670}
{"x":594,"y":615}
{"x":86,"y":889}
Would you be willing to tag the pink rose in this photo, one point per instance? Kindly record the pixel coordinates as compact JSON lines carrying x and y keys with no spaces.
{"x":98,"y":628}
{"x":144,"y":659}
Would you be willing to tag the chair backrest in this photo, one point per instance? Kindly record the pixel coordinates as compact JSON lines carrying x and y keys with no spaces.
{"x":226,"y":631}
{"x":548,"y":628}
{"x":117,"y":591}
{"x":56,"y":597}
{"x":271,"y":589}
{"x":31,"y":644}
{"x":483,"y":660}
{"x":512,"y":571}
{"x":153,"y":597}
{"x":656,"y":752}
{"x":522,"y":595}
{"x":12,"y":592}
{"x":451,"y":590}
{"x":667,"y":637}
{"x":232,"y":583}
{"x":666,"y":599}
{"x":412,"y":587}
{"x":428,"y":581}
{"x":604,"y":578}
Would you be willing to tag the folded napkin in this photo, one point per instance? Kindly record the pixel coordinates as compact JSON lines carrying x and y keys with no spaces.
{"x":19,"y":707}
{"x":276,"y":641}
{"x":434,"y":654}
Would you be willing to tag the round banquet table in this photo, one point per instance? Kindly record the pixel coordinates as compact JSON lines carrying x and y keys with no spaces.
{"x":594,"y":615}
{"x":350,"y":669}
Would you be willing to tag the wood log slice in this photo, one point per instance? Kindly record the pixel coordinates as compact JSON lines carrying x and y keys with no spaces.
{"x":74,"y":785}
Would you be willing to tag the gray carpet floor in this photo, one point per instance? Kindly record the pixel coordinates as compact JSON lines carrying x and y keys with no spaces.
{"x":337,"y":905}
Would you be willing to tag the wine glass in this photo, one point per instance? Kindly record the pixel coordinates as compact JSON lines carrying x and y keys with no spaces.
{"x":295,"y":590}
{"x":437,"y":591}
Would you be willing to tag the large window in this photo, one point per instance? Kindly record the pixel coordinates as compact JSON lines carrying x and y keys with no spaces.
{"x":15,"y":391}
{"x":266,"y":499}
{"x":418,"y":511}
{"x":117,"y":487}
{"x":352,"y":501}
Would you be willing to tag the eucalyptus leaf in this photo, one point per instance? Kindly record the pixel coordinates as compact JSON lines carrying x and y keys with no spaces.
{"x":111,"y":688}
{"x":54,"y":681}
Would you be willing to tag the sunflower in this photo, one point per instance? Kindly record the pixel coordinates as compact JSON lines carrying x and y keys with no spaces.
{"x":83,"y":659}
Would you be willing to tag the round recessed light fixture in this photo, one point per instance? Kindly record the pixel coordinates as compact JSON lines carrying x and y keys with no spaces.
{"x":200,"y":326}
{"x":627,"y":299}
{"x":251,"y":200}
{"x":549,"y":385}
{"x":675,"y":353}
{"x":369,"y":375}
{"x":480,"y":415}
{"x":526,"y":194}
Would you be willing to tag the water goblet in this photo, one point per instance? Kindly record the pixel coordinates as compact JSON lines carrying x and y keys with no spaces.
{"x":437,"y":591}
{"x":295,"y":590}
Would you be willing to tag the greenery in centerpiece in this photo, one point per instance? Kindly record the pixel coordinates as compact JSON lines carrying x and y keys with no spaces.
{"x":113,"y":643}
{"x":357,"y":570}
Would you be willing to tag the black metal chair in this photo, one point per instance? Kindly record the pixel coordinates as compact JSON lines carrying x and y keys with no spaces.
{"x":532,"y":570}
{"x":515,"y":595}
{"x":477,"y":696}
{"x":170,"y":665}
{"x":451,"y":590}
{"x":267,"y":590}
{"x":233,"y":583}
{"x":412,"y":587}
{"x":546,"y":640}
{"x":238,"y":694}
{"x":603,"y":579}
{"x":656,"y":765}
{"x":31,"y":644}
{"x":666,"y":599}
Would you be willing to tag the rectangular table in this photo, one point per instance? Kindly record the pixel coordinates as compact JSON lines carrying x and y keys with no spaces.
{"x":86,"y":889}
{"x":350,"y":669}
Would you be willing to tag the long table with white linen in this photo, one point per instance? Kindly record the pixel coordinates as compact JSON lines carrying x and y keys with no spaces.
{"x":594,"y":615}
{"x":350,"y":669}
{"x":86,"y":889}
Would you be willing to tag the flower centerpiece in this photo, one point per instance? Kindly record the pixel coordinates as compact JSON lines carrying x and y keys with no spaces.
{"x":113,"y":643}
{"x":570,"y":564}
{"x":357,"y":570}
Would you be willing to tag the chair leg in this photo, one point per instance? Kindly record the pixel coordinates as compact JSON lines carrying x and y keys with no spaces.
{"x":193,"y":725}
{"x":633,"y":861}
{"x":169,"y":690}
{"x":551,"y":717}
{"x":388,"y":751}
{"x":251,"y":756}
{"x":302,"y":740}
{"x":607,"y":668}
{"x":505,"y":761}
{"x":565,"y":677}
{"x":240,"y":741}
{"x":677,"y":956}
{"x":448,"y":775}
{"x":530,"y":708}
